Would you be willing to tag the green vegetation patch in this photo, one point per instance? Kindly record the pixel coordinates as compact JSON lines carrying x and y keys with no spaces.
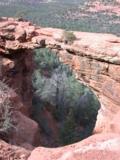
{"x":68,"y":37}
{"x":6,"y":122}
{"x":72,"y":105}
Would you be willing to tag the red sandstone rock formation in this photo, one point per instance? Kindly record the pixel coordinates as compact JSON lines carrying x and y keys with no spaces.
{"x":95,"y":59}
{"x":26,"y":131}
{"x":8,"y":152}
{"x":16,"y":70}
{"x":97,"y":147}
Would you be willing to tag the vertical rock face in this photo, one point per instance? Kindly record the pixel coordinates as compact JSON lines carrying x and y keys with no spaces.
{"x":16,"y":71}
{"x":103,"y":78}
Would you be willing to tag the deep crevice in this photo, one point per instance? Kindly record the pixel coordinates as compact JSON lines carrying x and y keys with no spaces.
{"x":65,"y":110}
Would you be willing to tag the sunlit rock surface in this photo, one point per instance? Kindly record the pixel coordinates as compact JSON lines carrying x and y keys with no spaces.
{"x":97,"y":147}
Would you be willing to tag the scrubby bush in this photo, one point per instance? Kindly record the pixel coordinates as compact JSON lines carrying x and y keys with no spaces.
{"x":68,"y":37}
{"x":6,"y":123}
{"x":38,"y":116}
{"x":46,"y":60}
{"x":20,"y":14}
{"x":67,"y":131}
{"x":5,"y":116}
{"x":87,"y":107}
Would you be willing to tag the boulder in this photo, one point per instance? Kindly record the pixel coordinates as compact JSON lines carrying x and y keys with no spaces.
{"x":39,"y":40}
{"x":20,"y":34}
{"x":25,"y":130}
{"x":58,"y":36}
{"x":10,"y":28}
{"x":12,"y":152}
{"x":30,"y":32}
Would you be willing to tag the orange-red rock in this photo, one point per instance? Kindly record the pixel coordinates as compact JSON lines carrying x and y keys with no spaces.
{"x":95,"y":59}
{"x":12,"y":152}
{"x":26,"y":130}
{"x":96,"y":147}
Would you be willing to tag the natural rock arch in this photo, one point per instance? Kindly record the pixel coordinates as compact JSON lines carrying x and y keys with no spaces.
{"x":95,"y":58}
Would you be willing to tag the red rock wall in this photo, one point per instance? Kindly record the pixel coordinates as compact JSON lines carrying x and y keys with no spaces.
{"x":103,"y":78}
{"x":16,"y":71}
{"x":8,"y":152}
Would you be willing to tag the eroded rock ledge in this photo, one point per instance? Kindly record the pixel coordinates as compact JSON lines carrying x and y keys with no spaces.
{"x":23,"y":35}
{"x":95,"y":59}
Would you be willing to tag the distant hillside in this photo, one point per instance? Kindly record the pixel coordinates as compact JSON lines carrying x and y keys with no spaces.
{"x":8,"y":2}
{"x":82,"y":15}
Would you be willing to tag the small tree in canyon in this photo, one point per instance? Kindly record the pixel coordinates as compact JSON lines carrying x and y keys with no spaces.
{"x":71,"y":103}
{"x":5,"y":111}
{"x":67,"y":132}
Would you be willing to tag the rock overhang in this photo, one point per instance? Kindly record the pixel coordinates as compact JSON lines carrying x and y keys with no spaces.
{"x":15,"y":34}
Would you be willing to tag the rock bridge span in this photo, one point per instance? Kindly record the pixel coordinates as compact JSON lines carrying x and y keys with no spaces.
{"x":94,"y":58}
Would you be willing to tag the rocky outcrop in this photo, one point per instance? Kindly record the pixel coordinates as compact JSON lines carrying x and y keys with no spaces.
{"x":16,"y":70}
{"x":15,"y":84}
{"x":8,"y":152}
{"x":95,"y":59}
{"x":95,"y":147}
{"x":26,"y":131}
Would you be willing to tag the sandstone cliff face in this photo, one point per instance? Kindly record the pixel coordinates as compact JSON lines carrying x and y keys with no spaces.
{"x":95,"y":59}
{"x":16,"y":70}
{"x":103,"y":78}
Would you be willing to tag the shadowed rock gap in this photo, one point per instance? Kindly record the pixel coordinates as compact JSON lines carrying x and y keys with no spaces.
{"x":64,"y":108}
